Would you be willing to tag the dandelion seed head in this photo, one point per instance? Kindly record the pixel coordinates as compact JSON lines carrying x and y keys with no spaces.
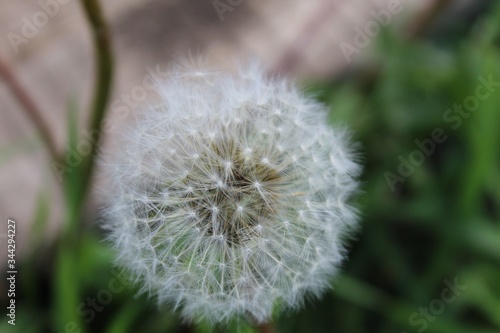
{"x":232,"y":196}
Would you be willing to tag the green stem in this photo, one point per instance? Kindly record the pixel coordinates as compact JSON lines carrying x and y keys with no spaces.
{"x":78,"y":183}
{"x":103,"y":80}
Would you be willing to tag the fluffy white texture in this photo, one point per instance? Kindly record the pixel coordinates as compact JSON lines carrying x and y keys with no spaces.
{"x":230,"y":198}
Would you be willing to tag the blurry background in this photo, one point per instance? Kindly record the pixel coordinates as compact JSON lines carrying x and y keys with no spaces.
{"x":418,"y":82}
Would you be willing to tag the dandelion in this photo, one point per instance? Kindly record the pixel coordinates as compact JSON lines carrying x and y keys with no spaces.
{"x":230,"y":198}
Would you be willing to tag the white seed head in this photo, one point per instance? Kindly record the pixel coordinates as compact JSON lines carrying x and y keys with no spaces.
{"x":231,"y":196}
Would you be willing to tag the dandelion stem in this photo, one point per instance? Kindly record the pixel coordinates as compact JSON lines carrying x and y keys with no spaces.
{"x":67,"y":296}
{"x":103,"y":81}
{"x":30,"y":107}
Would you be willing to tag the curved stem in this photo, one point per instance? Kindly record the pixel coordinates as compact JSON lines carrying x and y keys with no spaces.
{"x":103,"y":79}
{"x":78,"y":183}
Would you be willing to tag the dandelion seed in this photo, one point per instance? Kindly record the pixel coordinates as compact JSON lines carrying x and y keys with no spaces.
{"x":232,"y":196}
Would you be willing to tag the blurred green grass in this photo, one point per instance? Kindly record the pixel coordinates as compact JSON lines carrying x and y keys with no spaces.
{"x":441,"y":224}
